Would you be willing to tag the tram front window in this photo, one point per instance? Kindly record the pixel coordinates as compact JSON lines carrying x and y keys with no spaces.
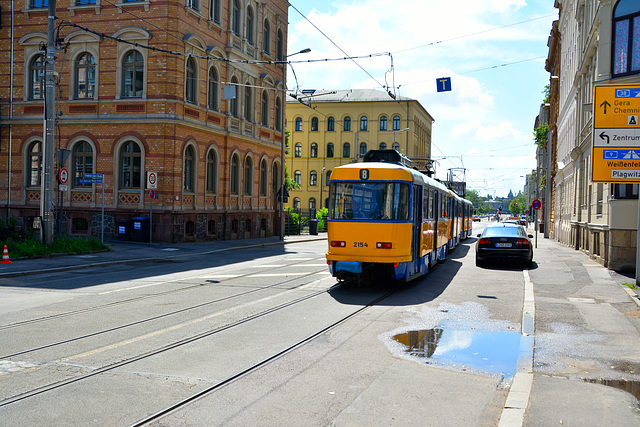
{"x":369,"y":201}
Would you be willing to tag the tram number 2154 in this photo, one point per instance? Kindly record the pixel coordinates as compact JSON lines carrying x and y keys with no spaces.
{"x":360,"y":245}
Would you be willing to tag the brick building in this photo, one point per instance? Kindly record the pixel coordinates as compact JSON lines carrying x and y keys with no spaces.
{"x":147,"y":86}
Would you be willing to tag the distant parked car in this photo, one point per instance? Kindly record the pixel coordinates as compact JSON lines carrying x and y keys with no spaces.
{"x":523,"y":220}
{"x":504,"y":242}
{"x":476,"y":218}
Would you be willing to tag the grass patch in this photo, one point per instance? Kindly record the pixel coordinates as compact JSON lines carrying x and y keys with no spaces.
{"x":630,"y":285}
{"x":22,"y":243}
{"x":31,"y":247}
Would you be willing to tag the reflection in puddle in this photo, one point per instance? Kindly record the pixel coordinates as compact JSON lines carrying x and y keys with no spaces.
{"x":490,"y":352}
{"x":632,"y":387}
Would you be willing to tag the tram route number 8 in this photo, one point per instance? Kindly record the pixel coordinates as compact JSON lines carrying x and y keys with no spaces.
{"x":360,"y":245}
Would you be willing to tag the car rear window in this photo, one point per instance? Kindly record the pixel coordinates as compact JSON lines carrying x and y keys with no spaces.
{"x":502,"y":231}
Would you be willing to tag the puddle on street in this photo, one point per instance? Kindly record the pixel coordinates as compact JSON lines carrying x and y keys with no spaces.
{"x":490,"y":352}
{"x":630,"y":386}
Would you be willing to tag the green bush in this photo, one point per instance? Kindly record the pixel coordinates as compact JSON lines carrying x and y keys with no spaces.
{"x":21,"y":243}
{"x":321,"y":216}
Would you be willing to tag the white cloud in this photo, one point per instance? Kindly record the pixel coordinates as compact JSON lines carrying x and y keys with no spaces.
{"x":474,"y":129}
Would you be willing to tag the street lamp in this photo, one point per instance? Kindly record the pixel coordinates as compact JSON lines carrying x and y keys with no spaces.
{"x":284,"y":104}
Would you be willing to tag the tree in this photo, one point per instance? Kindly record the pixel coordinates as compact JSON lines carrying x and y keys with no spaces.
{"x":518,"y":205}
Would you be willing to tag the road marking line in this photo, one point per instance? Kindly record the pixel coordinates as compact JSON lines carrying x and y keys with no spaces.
{"x":520,"y":391}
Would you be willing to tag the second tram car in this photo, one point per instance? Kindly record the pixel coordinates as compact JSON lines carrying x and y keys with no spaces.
{"x":388,"y":220}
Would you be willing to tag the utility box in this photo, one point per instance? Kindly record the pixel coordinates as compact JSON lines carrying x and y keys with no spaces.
{"x":125,"y":229}
{"x":141,"y":228}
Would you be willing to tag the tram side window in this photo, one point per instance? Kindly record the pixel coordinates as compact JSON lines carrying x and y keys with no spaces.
{"x":425,"y":205}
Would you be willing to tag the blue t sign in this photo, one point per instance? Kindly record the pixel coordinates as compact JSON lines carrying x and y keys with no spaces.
{"x":444,"y":84}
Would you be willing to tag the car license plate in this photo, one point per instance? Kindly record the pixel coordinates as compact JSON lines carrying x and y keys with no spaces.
{"x":503,"y":245}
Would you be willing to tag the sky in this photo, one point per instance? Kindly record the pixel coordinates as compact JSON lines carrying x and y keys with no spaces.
{"x":494,"y":51}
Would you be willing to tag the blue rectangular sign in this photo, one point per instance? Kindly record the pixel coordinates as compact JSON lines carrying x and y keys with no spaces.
{"x":90,"y":181}
{"x":632,"y":92}
{"x":444,"y":84}
{"x":93,"y":175}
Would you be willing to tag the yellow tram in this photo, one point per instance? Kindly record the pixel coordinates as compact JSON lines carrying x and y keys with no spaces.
{"x":388,"y":220}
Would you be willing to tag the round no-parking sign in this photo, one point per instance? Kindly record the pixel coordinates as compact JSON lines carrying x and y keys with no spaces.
{"x":152,"y":180}
{"x":537,"y":204}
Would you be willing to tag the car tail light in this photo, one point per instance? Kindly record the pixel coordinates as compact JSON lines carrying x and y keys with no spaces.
{"x":522,"y":242}
{"x":338,"y":243}
{"x":384,"y":245}
{"x":484,"y":241}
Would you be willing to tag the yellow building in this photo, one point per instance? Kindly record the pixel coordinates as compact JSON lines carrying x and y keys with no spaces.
{"x":333,"y":128}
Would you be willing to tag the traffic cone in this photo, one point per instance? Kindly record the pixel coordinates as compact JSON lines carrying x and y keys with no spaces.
{"x":5,"y":256}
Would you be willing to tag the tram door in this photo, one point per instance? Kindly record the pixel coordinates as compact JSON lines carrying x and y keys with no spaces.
{"x":417,"y":228}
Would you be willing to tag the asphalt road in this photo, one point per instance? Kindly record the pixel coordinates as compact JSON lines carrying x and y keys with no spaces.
{"x":264,"y":336}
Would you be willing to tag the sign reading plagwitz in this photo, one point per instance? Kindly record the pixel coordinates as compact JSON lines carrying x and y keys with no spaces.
{"x":616,"y":134}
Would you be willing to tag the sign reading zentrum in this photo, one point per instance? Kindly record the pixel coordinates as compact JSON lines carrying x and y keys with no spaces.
{"x":616,"y":134}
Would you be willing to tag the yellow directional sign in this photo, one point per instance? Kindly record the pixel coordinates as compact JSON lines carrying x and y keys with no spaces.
{"x":616,"y":134}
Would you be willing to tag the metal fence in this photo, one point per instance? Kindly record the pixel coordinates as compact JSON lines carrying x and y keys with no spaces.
{"x":304,"y":221}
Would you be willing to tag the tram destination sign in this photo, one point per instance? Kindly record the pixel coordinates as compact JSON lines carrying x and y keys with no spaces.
{"x":615,"y":145}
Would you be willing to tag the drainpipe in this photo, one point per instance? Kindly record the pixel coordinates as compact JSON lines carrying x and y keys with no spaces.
{"x":10,"y":110}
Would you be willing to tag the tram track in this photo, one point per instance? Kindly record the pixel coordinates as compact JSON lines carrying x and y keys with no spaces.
{"x":97,"y":371}
{"x":248,"y":370}
{"x":154,"y":295}
{"x":160,"y":316}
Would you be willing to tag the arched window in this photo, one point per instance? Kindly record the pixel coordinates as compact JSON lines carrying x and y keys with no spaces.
{"x":85,"y":76}
{"x":212,"y":172}
{"x":363,"y":123}
{"x":266,"y":37}
{"x":314,"y":150}
{"x":264,"y":177}
{"x":132,"y":75}
{"x":347,"y":123}
{"x":383,"y":145}
{"x":312,"y":204}
{"x":626,"y":38}
{"x":396,"y":146}
{"x":234,"y":179}
{"x":331,"y":124}
{"x":278,"y":115}
{"x":214,"y":96}
{"x":235,"y":18}
{"x":130,"y":166}
{"x":327,"y":178}
{"x":396,"y":122}
{"x":330,"y":150}
{"x":264,"y":109}
{"x":189,"y":169}
{"x":36,"y":78}
{"x":248,"y":176}
{"x":297,"y":177}
{"x":363,"y":149}
{"x":298,"y":150}
{"x":250,"y":20}
{"x":194,"y":4}
{"x":214,"y":9}
{"x":248,"y":102}
{"x":82,"y":162}
{"x":346,"y":150}
{"x":280,"y":46}
{"x":314,"y":124}
{"x":298,"y":124}
{"x":35,"y":164}
{"x":313,"y":178}
{"x":191,"y":79}
{"x":233,"y":103}
{"x":383,"y":123}
{"x":296,"y":203}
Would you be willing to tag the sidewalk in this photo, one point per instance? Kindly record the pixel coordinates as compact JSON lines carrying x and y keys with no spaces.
{"x":123,"y":252}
